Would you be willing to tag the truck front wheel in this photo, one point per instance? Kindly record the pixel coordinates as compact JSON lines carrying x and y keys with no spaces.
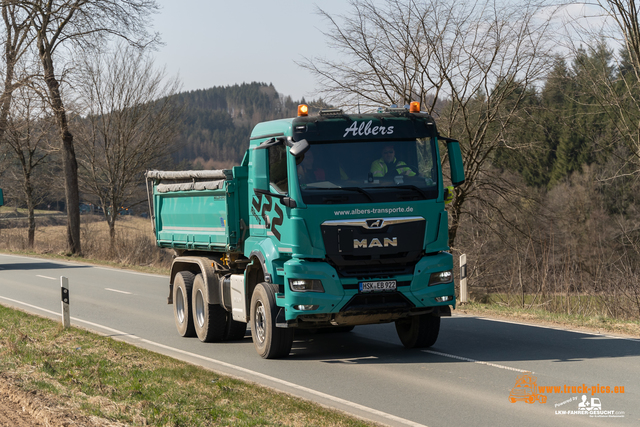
{"x":270,"y":342}
{"x":418,"y":331}
{"x":209,"y":320}
{"x":182,"y":286}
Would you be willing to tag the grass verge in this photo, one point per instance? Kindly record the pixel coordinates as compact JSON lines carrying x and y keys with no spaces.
{"x":99,"y":376}
{"x":597,"y":324}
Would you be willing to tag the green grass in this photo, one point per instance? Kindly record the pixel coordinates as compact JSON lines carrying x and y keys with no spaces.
{"x":24,"y":212}
{"x":99,"y":376}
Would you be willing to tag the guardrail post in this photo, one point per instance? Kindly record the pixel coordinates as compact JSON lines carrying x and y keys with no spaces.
{"x":463,"y":278}
{"x":64,"y":285}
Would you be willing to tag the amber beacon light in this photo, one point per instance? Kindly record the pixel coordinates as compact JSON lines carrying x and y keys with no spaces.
{"x":414,"y":107}
{"x":303,"y":110}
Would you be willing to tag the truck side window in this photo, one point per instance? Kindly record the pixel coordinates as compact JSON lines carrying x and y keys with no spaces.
{"x":278,"y":169}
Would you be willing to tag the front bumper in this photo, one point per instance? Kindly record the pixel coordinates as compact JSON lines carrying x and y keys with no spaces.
{"x":342,"y":304}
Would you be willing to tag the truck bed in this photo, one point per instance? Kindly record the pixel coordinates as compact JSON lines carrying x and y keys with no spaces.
{"x":194,"y":210}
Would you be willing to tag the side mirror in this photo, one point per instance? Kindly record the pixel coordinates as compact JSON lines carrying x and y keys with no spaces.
{"x":299,"y":148}
{"x":455,"y":161}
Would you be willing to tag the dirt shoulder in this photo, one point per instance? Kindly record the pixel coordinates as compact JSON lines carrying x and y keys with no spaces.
{"x":33,"y":409}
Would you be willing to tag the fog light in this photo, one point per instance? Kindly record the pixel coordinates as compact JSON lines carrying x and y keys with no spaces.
{"x":441,"y":277}
{"x":305,"y":307}
{"x":306,"y":285}
{"x":444,"y":299}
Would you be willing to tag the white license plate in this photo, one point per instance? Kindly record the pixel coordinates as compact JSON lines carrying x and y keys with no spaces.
{"x":379,"y":286}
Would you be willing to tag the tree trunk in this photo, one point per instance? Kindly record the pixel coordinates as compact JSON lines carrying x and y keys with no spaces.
{"x":112,"y":238}
{"x":30,"y":214}
{"x":454,"y":215}
{"x":10,"y":62}
{"x":69,"y":163}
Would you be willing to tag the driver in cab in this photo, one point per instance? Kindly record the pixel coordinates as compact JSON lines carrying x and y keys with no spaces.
{"x":388,"y":166}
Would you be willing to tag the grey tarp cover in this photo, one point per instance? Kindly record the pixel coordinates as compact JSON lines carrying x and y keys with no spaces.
{"x":214,"y":174}
{"x":186,"y":186}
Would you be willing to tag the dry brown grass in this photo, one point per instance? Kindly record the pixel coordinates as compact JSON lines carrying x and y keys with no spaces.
{"x":135,"y":241}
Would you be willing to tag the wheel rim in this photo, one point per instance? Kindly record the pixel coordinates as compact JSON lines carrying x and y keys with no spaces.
{"x":260,"y":322}
{"x":180,"y":305}
{"x":200,"y":312}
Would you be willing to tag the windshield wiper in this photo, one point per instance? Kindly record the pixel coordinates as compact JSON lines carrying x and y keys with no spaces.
{"x":357,"y":189}
{"x":409,"y":187}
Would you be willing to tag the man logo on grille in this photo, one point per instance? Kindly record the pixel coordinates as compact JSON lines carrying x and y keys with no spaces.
{"x":374,"y":223}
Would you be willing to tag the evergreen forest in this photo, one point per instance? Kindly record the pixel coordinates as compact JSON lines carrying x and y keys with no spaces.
{"x":217,"y":122}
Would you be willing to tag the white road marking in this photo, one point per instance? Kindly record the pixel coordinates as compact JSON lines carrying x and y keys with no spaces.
{"x":466,"y":359}
{"x":120,"y":292}
{"x":320,"y":394}
{"x":46,"y":277}
{"x":292,"y":385}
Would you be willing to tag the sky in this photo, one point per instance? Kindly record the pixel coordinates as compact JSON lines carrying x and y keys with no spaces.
{"x":224,"y":42}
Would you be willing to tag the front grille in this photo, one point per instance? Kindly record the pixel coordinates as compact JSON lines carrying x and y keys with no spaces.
{"x":379,"y":302}
{"x":370,"y":270}
{"x":356,"y":246}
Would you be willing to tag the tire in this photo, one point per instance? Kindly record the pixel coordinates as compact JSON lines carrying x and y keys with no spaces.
{"x":270,"y":342}
{"x":418,"y":331}
{"x":209,"y":320}
{"x":234,"y":330}
{"x":182,"y":287}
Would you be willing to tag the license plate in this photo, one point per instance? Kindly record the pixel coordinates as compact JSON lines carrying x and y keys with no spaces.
{"x":379,"y":286}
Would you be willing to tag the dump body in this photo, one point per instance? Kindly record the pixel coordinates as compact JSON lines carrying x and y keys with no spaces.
{"x":195,"y":210}
{"x":321,"y":214}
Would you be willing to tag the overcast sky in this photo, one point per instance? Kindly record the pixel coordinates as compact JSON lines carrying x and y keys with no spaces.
{"x":221,"y":42}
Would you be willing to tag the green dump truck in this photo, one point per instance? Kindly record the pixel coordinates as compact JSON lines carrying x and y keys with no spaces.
{"x":331,"y":221}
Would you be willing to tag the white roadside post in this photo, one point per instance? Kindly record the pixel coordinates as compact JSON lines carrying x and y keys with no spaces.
{"x":463,"y":278}
{"x":64,"y":284}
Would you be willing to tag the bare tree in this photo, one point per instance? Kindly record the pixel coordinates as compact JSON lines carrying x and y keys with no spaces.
{"x":17,"y":40}
{"x":28,"y":133}
{"x":468,"y":63}
{"x":59,"y":27}
{"x":131,"y":122}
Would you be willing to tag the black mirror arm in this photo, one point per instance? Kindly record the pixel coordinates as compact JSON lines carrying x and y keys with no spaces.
{"x":286,"y":200}
{"x":271,"y":142}
{"x":447,"y":140}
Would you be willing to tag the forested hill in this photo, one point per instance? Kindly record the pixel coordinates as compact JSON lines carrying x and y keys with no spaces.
{"x":217,"y":122}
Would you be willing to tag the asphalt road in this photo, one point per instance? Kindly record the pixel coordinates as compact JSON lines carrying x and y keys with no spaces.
{"x":465,"y":379}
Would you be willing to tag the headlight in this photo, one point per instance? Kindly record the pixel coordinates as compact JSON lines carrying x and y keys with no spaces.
{"x":306,"y":285}
{"x":441,"y":277}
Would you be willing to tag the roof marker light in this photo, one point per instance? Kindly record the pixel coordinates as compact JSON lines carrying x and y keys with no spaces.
{"x":303,"y":110}
{"x":414,"y":107}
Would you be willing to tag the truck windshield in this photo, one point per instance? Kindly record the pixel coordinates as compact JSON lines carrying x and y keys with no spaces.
{"x":364,"y":172}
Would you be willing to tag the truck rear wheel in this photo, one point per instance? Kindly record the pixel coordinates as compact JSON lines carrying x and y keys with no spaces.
{"x":270,"y":342}
{"x":209,"y":320}
{"x":418,"y":331}
{"x":182,"y":287}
